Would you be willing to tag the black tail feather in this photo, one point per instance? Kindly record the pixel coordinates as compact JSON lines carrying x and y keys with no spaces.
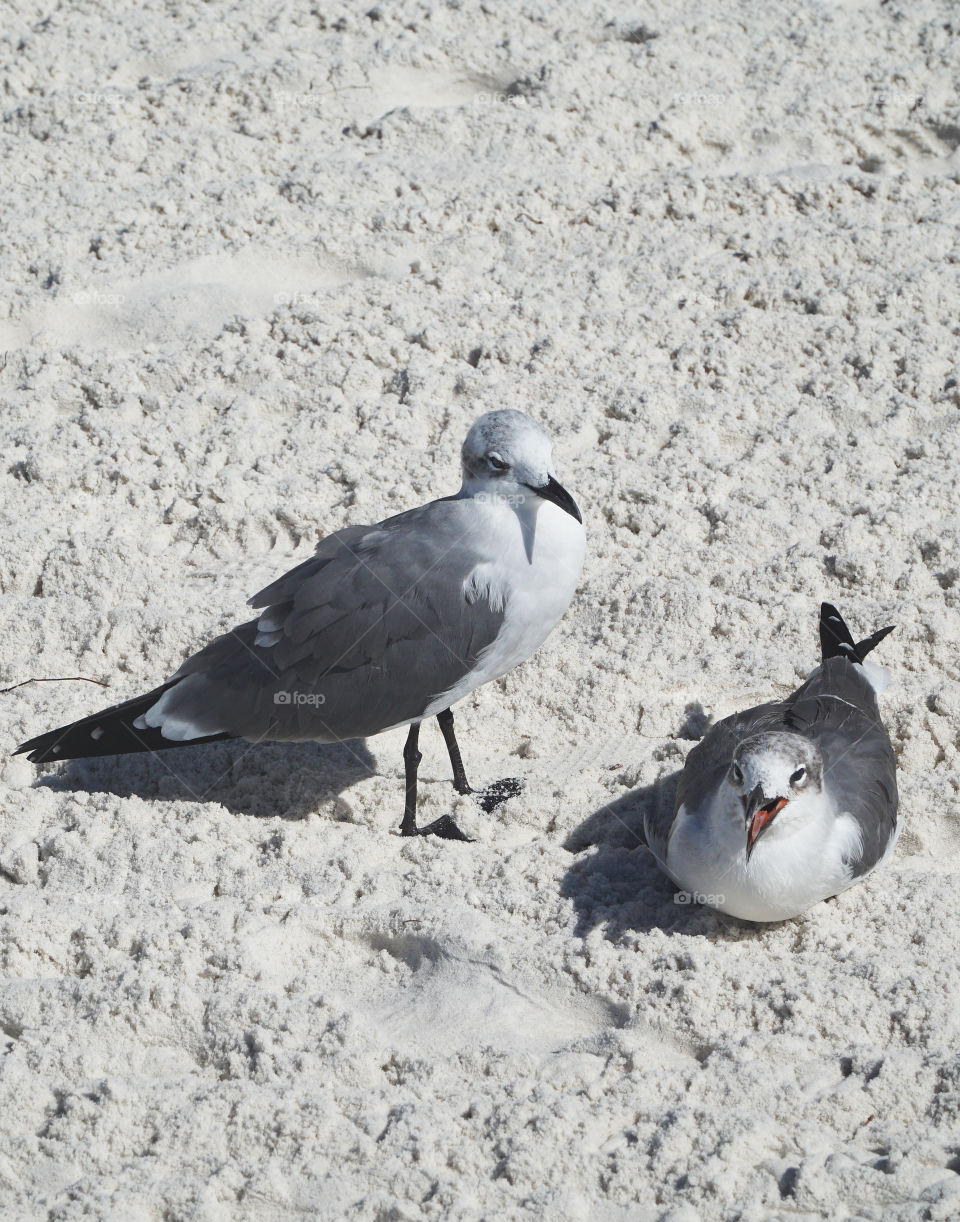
{"x":835,"y":638}
{"x":117,"y":734}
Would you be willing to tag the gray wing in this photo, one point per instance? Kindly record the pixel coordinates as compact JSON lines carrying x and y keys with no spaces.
{"x":360,"y":637}
{"x":658,"y":817}
{"x":837,"y":708}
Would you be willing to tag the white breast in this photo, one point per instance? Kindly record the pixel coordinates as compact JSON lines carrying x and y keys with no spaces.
{"x":792,"y":866}
{"x":538,"y":560}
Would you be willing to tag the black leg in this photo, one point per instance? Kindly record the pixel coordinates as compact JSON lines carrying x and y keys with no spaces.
{"x":489,"y":798}
{"x":445,"y":722}
{"x":444,"y":827}
{"x":411,"y":762}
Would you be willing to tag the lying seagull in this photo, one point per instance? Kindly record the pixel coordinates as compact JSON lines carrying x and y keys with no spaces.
{"x":383,"y":626}
{"x":790,"y":802}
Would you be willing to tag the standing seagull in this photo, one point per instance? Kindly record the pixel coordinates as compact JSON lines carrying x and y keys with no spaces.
{"x":382,"y":627}
{"x":789,"y":802}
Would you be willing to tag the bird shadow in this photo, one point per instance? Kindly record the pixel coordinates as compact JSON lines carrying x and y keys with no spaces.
{"x":616,"y":881}
{"x":287,"y":779}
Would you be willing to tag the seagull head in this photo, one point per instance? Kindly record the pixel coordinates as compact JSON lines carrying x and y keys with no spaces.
{"x":508,"y":454}
{"x":775,"y":774}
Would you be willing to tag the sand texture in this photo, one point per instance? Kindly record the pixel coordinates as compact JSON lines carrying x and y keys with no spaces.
{"x":263,"y":264}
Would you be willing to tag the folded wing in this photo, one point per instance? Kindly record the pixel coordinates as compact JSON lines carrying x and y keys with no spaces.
{"x":837,"y":708}
{"x":360,"y":637}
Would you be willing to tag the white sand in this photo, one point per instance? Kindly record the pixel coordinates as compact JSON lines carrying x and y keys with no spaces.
{"x":264,"y":264}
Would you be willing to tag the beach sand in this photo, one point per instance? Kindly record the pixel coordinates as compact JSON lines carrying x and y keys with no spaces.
{"x":264,"y":264}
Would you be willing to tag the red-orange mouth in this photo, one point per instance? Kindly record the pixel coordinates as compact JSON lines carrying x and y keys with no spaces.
{"x":762,"y":819}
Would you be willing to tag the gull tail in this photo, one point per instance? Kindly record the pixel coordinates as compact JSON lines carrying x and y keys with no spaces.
{"x":109,"y":732}
{"x":837,"y":642}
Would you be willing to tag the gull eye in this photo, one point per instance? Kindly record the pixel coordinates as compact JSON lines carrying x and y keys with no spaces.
{"x":798,"y":777}
{"x":497,"y":463}
{"x":736,"y":774}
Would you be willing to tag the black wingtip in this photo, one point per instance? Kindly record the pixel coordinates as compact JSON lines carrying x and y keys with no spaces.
{"x":37,"y":747}
{"x":109,"y":732}
{"x":47,"y":748}
{"x":836,"y":640}
{"x":872,"y":641}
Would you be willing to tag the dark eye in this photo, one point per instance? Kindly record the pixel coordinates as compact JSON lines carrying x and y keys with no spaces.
{"x":736,"y":775}
{"x":497,"y":462}
{"x":798,"y":776}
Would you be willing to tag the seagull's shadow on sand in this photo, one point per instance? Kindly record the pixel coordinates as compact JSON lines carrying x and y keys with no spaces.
{"x":615,"y":881}
{"x":287,"y":779}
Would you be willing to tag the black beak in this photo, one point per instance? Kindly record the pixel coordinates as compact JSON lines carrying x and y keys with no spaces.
{"x":552,"y":491}
{"x":759,"y":813}
{"x":752,"y":802}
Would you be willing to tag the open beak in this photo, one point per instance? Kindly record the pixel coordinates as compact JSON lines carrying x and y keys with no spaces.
{"x":552,"y":491}
{"x":760,"y":813}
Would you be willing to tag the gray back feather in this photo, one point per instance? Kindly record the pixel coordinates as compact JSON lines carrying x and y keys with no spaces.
{"x":372,"y":628}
